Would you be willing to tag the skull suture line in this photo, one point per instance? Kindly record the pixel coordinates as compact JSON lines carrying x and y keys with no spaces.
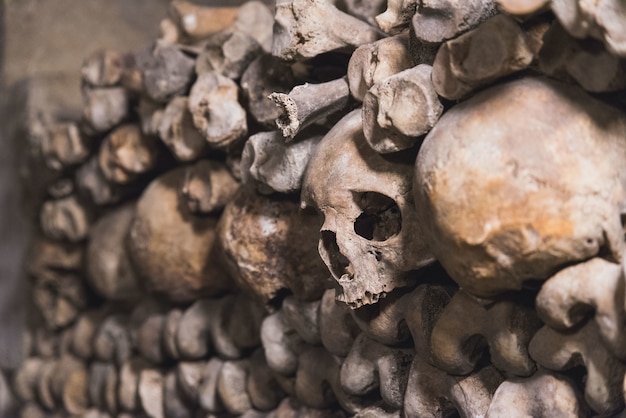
{"x":521,"y":180}
{"x":371,"y":238}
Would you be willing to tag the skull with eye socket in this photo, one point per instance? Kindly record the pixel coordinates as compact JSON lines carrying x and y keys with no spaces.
{"x":371,"y":238}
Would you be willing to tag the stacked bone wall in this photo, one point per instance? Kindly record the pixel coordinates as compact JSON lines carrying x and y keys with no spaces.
{"x":317,"y":209}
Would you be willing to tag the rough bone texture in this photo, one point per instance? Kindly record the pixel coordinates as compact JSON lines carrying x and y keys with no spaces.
{"x":470,"y":257}
{"x":513,"y":204}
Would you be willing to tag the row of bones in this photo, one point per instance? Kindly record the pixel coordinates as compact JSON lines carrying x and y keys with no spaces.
{"x":495,"y":210}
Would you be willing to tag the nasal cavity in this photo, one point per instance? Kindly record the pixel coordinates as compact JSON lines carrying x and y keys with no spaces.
{"x":335,"y":261}
{"x":380,"y":218}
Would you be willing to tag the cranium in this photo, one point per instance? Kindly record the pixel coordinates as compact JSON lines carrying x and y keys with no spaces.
{"x":370,"y":239}
{"x":520,"y":181}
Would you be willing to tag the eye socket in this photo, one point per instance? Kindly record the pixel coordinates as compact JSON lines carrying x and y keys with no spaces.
{"x":381,"y":218}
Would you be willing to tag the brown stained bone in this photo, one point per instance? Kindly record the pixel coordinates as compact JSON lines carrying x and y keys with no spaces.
{"x":66,"y":219}
{"x":604,"y":20}
{"x":464,"y":327}
{"x":281,"y":344}
{"x":431,"y":392}
{"x":397,"y":17}
{"x":544,"y":394}
{"x":586,"y":62}
{"x":84,"y":333}
{"x":108,"y":67}
{"x":307,"y":28}
{"x":261,"y":386}
{"x":112,"y":342}
{"x":207,"y":187}
{"x":439,"y":21}
{"x":91,"y":183}
{"x":215,"y":109}
{"x":309,"y":103}
{"x":500,"y":203}
{"x":371,"y":365}
{"x":108,"y":267}
{"x":337,"y":328}
{"x":201,"y":21}
{"x":266,"y":75}
{"x":163,"y":233}
{"x":177,"y":131}
{"x":400,"y":109}
{"x":59,"y":297}
{"x":208,"y":397}
{"x":370,"y":223}
{"x":125,"y":154}
{"x":170,"y":328}
{"x":228,"y":54}
{"x":580,"y":347}
{"x":151,"y":394}
{"x":271,"y":165}
{"x":250,"y":225}
{"x":231,"y":386}
{"x":371,"y":63}
{"x":303,"y":318}
{"x":128,"y":386}
{"x":173,"y":403}
{"x":105,"y":107}
{"x":64,"y":146}
{"x":167,"y":72}
{"x":596,"y":286}
{"x":496,"y":48}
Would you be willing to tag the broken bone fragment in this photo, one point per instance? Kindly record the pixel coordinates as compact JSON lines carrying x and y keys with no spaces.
{"x":309,"y":103}
{"x":265,"y":245}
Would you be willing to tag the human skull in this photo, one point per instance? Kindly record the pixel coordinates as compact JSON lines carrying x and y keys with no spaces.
{"x":371,"y":237}
{"x":521,"y":180}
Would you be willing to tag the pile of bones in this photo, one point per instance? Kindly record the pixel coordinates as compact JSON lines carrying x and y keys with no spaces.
{"x":323,"y":208}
